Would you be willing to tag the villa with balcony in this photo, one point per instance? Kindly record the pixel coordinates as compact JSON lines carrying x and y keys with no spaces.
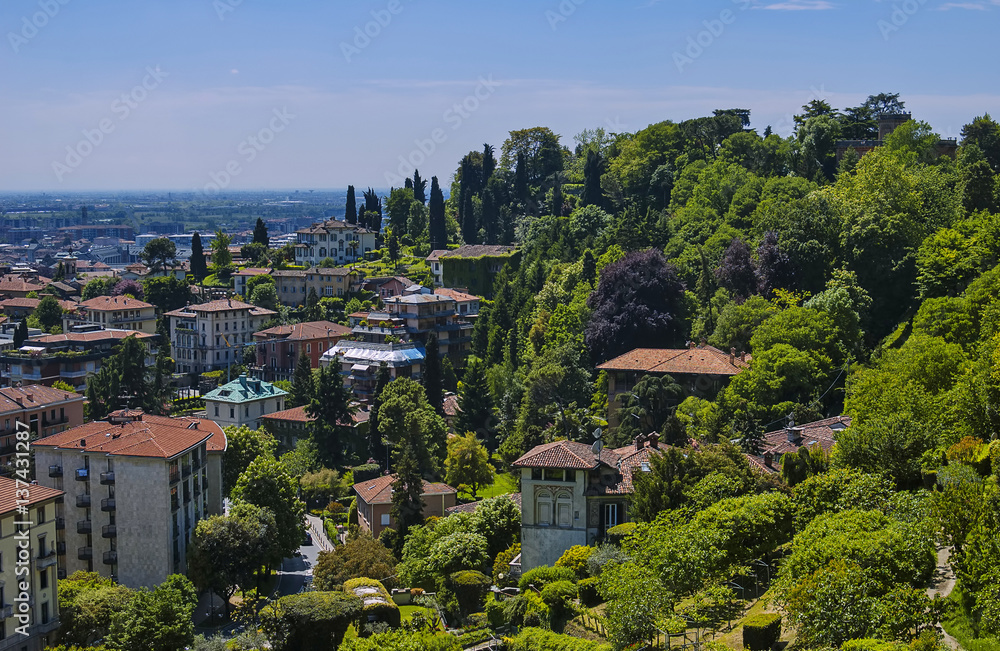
{"x":119,"y":312}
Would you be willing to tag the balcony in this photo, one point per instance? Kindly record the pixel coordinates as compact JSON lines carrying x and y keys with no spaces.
{"x":60,"y":524}
{"x":187,"y":494}
{"x":61,"y":573}
{"x":7,"y":610}
{"x":61,"y":548}
{"x":83,"y":501}
{"x":85,"y":553}
{"x":110,"y":558}
{"x":197,"y":490}
{"x":175,"y":476}
{"x":174,"y":503}
{"x":109,"y":531}
{"x":84,"y":526}
{"x":48,"y":560}
{"x":108,"y":504}
{"x":107,"y":478}
{"x":186,"y":471}
{"x":55,"y":471}
{"x":82,"y":474}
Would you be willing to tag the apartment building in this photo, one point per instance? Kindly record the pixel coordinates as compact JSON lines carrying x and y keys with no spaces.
{"x":71,"y":357}
{"x":423,"y":314}
{"x":38,"y":605}
{"x":44,"y":410}
{"x":212,"y":335}
{"x":113,"y":312}
{"x":359,"y":362}
{"x":136,"y":486}
{"x":293,"y":286}
{"x":241,"y":277}
{"x":335,"y":239}
{"x":279,"y":348}
{"x":244,"y":401}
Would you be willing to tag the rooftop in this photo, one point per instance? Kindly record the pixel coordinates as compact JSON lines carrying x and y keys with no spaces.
{"x":454,"y":294}
{"x":244,"y":389}
{"x":379,"y":490}
{"x":299,"y":415}
{"x":472,"y":251}
{"x":34,"y":396}
{"x":104,"y":303}
{"x":304,"y":331}
{"x":472,"y":506}
{"x":789,"y":439}
{"x":391,"y":354}
{"x":11,"y":493}
{"x":144,"y":435}
{"x":700,"y":360}
{"x":220,"y":305}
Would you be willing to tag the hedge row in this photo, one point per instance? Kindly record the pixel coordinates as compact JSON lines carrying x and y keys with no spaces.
{"x":383,"y":611}
{"x":761,"y":632}
{"x":537,"y":639}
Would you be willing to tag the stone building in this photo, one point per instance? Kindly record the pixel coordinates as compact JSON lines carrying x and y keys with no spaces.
{"x":43,"y":410}
{"x":244,"y":401}
{"x":211,"y":336}
{"x":119,"y":312}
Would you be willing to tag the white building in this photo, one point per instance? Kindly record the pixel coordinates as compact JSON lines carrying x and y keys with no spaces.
{"x":244,"y":401}
{"x":359,"y":362}
{"x":213,"y":335}
{"x":335,"y":239}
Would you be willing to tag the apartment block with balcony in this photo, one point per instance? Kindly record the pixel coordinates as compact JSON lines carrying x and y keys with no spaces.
{"x":136,"y":485}
{"x":359,"y":362}
{"x":212,"y":336}
{"x":423,"y":314}
{"x":43,"y":409}
{"x":113,"y":312}
{"x":70,"y":357}
{"x":335,"y":239}
{"x":279,"y":348}
{"x":40,"y":540}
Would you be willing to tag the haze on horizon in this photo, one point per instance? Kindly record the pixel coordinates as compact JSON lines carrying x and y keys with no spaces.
{"x":246,"y":95}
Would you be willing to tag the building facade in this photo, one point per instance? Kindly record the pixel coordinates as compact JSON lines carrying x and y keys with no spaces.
{"x":473,"y":266}
{"x":28,"y":617}
{"x":44,"y":410}
{"x":113,"y":312}
{"x":335,"y":239}
{"x":423,"y":314}
{"x":244,"y":401}
{"x":279,"y":348}
{"x":359,"y":362}
{"x":375,"y":502}
{"x":136,"y":486}
{"x":295,"y":285}
{"x":212,"y":336}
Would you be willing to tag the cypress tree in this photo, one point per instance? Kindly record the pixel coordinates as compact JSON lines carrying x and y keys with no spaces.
{"x":407,"y":505}
{"x":592,"y":171}
{"x":303,"y":388}
{"x":351,"y":214}
{"x":260,"y":233}
{"x":432,"y":380}
{"x":408,"y":185}
{"x":489,"y":163}
{"x":419,"y":187}
{"x":521,"y":180}
{"x":470,"y":229}
{"x":557,"y":197}
{"x":475,"y":404}
{"x":438,"y":233}
{"x":199,"y":269}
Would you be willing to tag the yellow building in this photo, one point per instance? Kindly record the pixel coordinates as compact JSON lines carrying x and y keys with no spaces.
{"x":113,"y":313}
{"x":29,"y":565}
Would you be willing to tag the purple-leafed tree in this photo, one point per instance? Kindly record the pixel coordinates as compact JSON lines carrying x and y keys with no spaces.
{"x":774,"y":268}
{"x":127,"y":286}
{"x":736,"y":271}
{"x":639,"y":302}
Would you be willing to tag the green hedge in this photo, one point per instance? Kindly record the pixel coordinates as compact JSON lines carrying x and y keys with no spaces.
{"x":870,"y":644}
{"x":587,"y":589}
{"x":543,"y":575}
{"x":616,"y":534}
{"x":386,"y":611}
{"x":761,"y":632}
{"x":309,"y":621}
{"x":470,"y":587}
{"x":537,"y":639}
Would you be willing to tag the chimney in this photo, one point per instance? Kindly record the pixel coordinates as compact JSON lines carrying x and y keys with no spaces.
{"x":691,"y":345}
{"x":768,"y":459}
{"x":743,"y":356}
{"x":639,"y":441}
{"x":654,"y":440}
{"x":732,"y":355}
{"x":702,"y":343}
{"x":792,"y":433}
{"x":83,"y":443}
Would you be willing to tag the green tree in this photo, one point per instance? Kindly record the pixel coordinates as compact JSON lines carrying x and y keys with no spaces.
{"x":468,"y":463}
{"x":376,"y":446}
{"x":303,"y":385}
{"x":48,"y":313}
{"x":407,"y":503}
{"x":159,"y":253}
{"x":167,"y":293}
{"x":360,"y":556}
{"x":221,"y":257}
{"x":87,"y":603}
{"x":432,"y":380}
{"x":198,"y":267}
{"x":309,"y":621}
{"x":331,"y":406}
{"x":407,"y":420}
{"x":98,"y":287}
{"x":265,"y":295}
{"x":634,"y":605}
{"x":243,"y":446}
{"x":351,"y":212}
{"x":260,"y":233}
{"x":158,"y":620}
{"x":124,"y":381}
{"x":649,"y":408}
{"x":436,"y":217}
{"x":475,"y":403}
{"x":266,"y":483}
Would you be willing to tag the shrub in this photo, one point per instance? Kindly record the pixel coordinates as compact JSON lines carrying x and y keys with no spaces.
{"x":616,"y":534}
{"x":557,"y":596}
{"x":366,"y":472}
{"x":761,"y":632}
{"x":501,"y":565}
{"x":587,"y":589}
{"x":575,"y":558}
{"x":871,"y":644}
{"x":536,"y":639}
{"x":543,"y":575}
{"x":378,"y":603}
{"x":470,"y":588}
{"x":526,"y":608}
{"x":496,"y":612}
{"x":603,"y":555}
{"x":310,"y":620}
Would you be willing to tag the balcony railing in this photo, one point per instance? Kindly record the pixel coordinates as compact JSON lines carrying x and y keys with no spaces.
{"x":186,"y":471}
{"x":107,"y":478}
{"x":82,"y":474}
{"x":108,"y":504}
{"x":83,"y":501}
{"x":60,"y":524}
{"x":48,"y":560}
{"x":55,"y":471}
{"x":85,"y":553}
{"x":174,"y":503}
{"x":110,"y":558}
{"x":109,"y":531}
{"x":175,"y":476}
{"x":84,"y":526}
{"x":7,"y":610}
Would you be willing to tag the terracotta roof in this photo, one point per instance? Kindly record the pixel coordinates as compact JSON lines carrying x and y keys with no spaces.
{"x":107,"y":303}
{"x":96,"y":335}
{"x":379,"y":490}
{"x":461,"y":297}
{"x":820,"y":432}
{"x":699,"y":360}
{"x":219,"y":305}
{"x":472,"y":506}
{"x":153,"y":436}
{"x":298,"y":415}
{"x":252,"y":271}
{"x":450,"y":405}
{"x":32,"y":303}
{"x":34,"y":396}
{"x":9,"y":495}
{"x":564,"y":454}
{"x":308,"y":330}
{"x":12,"y":283}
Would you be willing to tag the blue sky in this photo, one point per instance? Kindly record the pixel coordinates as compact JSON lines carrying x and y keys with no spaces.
{"x":251,"y":94}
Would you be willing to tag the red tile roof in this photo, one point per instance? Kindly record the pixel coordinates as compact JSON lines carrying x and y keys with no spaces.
{"x":219,"y":305}
{"x":461,"y":297}
{"x":106,"y":303}
{"x":306,"y":331}
{"x":9,"y":495}
{"x":379,"y":490}
{"x":12,"y":283}
{"x":472,"y":506}
{"x":299,"y":415}
{"x":699,"y":360}
{"x":820,"y":432}
{"x":96,"y":335}
{"x":252,"y":271}
{"x":33,"y":397}
{"x":153,"y":436}
{"x":32,"y":303}
{"x":564,"y":454}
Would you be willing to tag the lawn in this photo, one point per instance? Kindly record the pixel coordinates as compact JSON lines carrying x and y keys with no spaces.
{"x":503,"y":484}
{"x":958,"y":626}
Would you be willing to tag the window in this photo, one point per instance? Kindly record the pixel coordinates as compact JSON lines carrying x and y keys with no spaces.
{"x":43,"y":578}
{"x":41,"y":514}
{"x":216,"y":410}
{"x":385,"y":519}
{"x":536,"y":474}
{"x":309,"y":348}
{"x":553,"y":474}
{"x":563,"y":508}
{"x":543,"y":509}
{"x":570,"y":475}
{"x":232,"y":413}
{"x":610,"y":515}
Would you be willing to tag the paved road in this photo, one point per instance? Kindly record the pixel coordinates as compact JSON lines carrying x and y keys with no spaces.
{"x":294,"y":571}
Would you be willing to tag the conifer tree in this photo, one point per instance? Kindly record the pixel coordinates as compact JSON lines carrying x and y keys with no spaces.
{"x":331,"y":407}
{"x":438,"y":233}
{"x":419,"y":187}
{"x":432,"y":380}
{"x":260,"y":233}
{"x":407,"y":505}
{"x":199,"y":269}
{"x":475,"y":404}
{"x":375,"y":445}
{"x":303,"y":388}
{"x":351,"y":214}
{"x":489,"y":163}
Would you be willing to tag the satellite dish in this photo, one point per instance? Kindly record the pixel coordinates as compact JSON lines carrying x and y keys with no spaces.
{"x":598,"y":433}
{"x":597,"y":447}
